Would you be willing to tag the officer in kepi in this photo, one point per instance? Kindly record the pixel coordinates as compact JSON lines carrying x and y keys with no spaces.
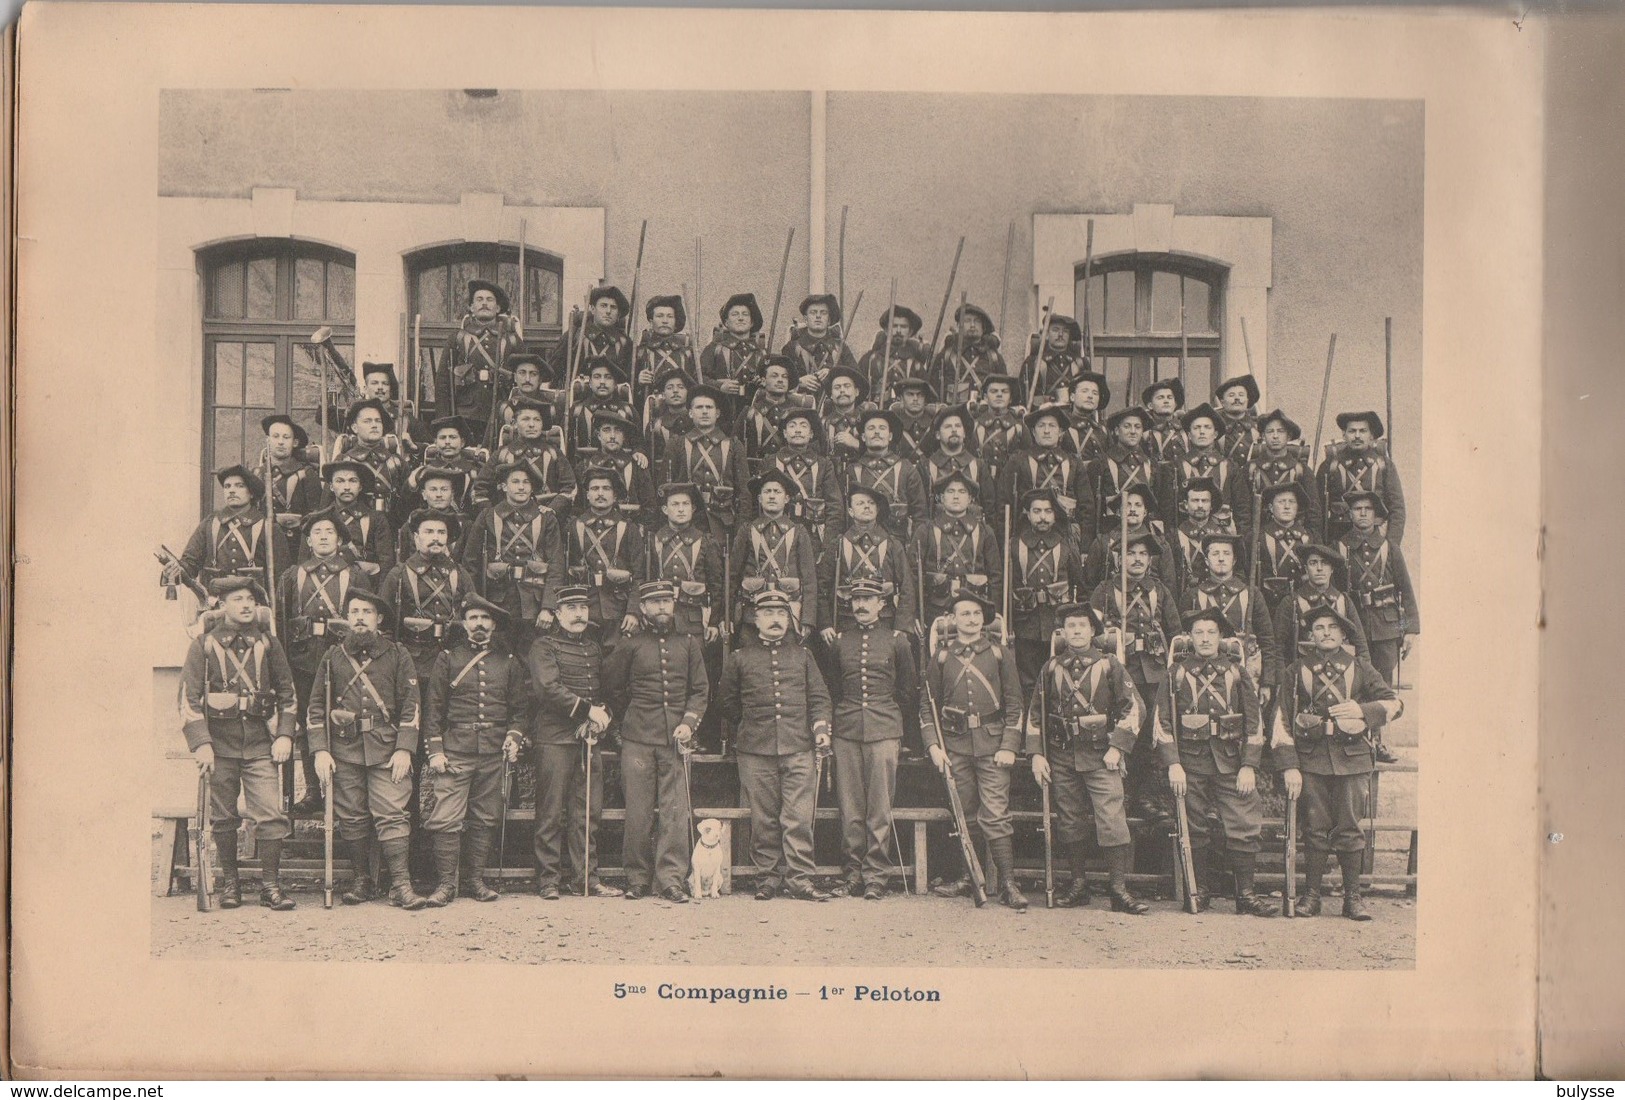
{"x":238,"y":711}
{"x":473,"y":732}
{"x":1333,"y":706}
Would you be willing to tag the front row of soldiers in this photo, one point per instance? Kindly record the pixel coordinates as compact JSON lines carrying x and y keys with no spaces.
{"x":371,"y":704}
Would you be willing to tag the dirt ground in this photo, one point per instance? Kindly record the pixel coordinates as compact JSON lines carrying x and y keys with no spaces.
{"x":734,"y":930}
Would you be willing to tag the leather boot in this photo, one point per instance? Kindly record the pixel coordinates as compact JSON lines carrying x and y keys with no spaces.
{"x":1202,"y":861}
{"x":361,"y":889}
{"x":1248,"y":903}
{"x":271,"y":895}
{"x":1077,"y":891}
{"x":961,"y":886}
{"x":1353,"y":907}
{"x":447,"y":847}
{"x":991,"y":879}
{"x":1118,"y":859}
{"x":476,"y":845}
{"x":400,"y":879}
{"x":1314,"y":869}
{"x":1004,"y":858}
{"x":225,"y":852}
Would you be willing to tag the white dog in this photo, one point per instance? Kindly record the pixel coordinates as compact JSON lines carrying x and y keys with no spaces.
{"x":710,"y":861}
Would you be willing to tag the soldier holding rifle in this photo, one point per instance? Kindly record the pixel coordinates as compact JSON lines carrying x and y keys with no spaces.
{"x":773,"y":552}
{"x":238,"y":710}
{"x":758,"y":426}
{"x":512,"y":549}
{"x":1046,"y":574}
{"x":665,"y":346}
{"x":711,"y":460}
{"x":732,"y":362}
{"x":968,"y":357}
{"x":604,"y":549}
{"x":818,"y":490}
{"x":817,"y":345}
{"x":1044,"y":464}
{"x":367,"y":539}
{"x":371,"y":444}
{"x":295,"y":485}
{"x":476,"y":357}
{"x":897,"y":355}
{"x":231,"y":541}
{"x":1165,"y":439}
{"x":601,"y":334}
{"x":1333,"y":706}
{"x":978,"y":691}
{"x":378,"y":382}
{"x":959,"y":552}
{"x":864,"y":551}
{"x":1049,"y":369}
{"x":565,"y":665}
{"x":1279,"y":459}
{"x":1085,"y":435}
{"x":1208,"y":735}
{"x":635,"y":491}
{"x":949,"y":455}
{"x":1236,"y":400}
{"x":998,"y":432}
{"x":1081,"y":727}
{"x":1380,"y":583}
{"x":1361,"y":464}
{"x":532,"y":447}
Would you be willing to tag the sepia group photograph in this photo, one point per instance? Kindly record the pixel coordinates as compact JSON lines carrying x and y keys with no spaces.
{"x":680,"y":524}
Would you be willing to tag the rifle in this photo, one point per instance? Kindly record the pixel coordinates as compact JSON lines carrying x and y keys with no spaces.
{"x":1247,"y":345}
{"x":166,"y":557}
{"x":327,"y":820}
{"x":778,"y":295}
{"x":573,"y":362}
{"x":202,"y":873}
{"x":1004,"y":287}
{"x":502,"y":822}
{"x":959,"y":346}
{"x":961,"y":828}
{"x":1038,"y":351}
{"x":1187,"y":861}
{"x":727,"y":620}
{"x":519,"y":318}
{"x":953,"y":273}
{"x":693,"y":332}
{"x":1006,"y":609}
{"x":1184,"y":345}
{"x":1122,"y":573}
{"x":840,"y":271}
{"x":1388,"y":388}
{"x":1043,"y":790}
{"x":1325,"y":388}
{"x":1289,"y":906}
{"x":885,"y":363}
{"x":632,"y":304}
{"x":1088,"y":274}
{"x":284,"y":771}
{"x":417,"y":364}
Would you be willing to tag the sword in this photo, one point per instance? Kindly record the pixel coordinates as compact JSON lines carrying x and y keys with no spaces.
{"x":586,"y":851}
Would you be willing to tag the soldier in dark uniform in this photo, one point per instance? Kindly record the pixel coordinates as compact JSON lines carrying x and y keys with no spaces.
{"x":712,"y":460}
{"x":379,"y":383}
{"x":428,"y":588}
{"x":511,"y":550}
{"x":606,"y":395}
{"x":957,"y":551}
{"x":1164,"y":439}
{"x":1235,"y":399}
{"x":1380,"y":584}
{"x":1049,"y":370}
{"x":976,"y":689}
{"x":477,"y":699}
{"x":873,"y":686}
{"x":235,"y":686}
{"x":1085,"y":434}
{"x":368,"y":540}
{"x":1043,"y":464}
{"x":439,"y":490}
{"x":1212,"y":750}
{"x":1203,"y":458}
{"x":528,"y":370}
{"x":1100,"y":560}
{"x":950,"y":431}
{"x":664,"y":345}
{"x":1047,"y":574}
{"x":1196,"y":522}
{"x":666,"y":414}
{"x":685,"y":556}
{"x":772,"y":551}
{"x":1123,"y":464}
{"x":310,"y":601}
{"x":476,"y":357}
{"x":448,"y":450}
{"x":1333,"y":704}
{"x":880,"y":467}
{"x":1324,"y":583}
{"x":1244,"y":607}
{"x":909,"y":358}
{"x":864,"y":551}
{"x":295,"y":485}
{"x":656,"y":684}
{"x":1279,"y":459}
{"x":564,"y":666}
{"x":758,"y":426}
{"x":1081,"y":727}
{"x":817,"y":345}
{"x":531,"y":447}
{"x":845,"y":403}
{"x":232,"y":541}
{"x":733,"y":360}
{"x":363,"y":721}
{"x":915,"y":408}
{"x":1280,"y":541}
{"x":998,"y":432}
{"x":603,"y":553}
{"x":1153,"y":621}
{"x":1361,"y":465}
{"x":372,"y":444}
{"x":776,"y":698}
{"x":818,"y":490}
{"x":601,"y":334}
{"x":615,"y":455}
{"x":969,"y":355}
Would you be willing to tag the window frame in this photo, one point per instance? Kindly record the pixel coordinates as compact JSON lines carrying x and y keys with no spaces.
{"x":1146,"y":346}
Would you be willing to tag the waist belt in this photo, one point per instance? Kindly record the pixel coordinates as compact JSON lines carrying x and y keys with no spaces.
{"x":232,"y":704}
{"x":1386,"y":595}
{"x":960,"y":720}
{"x":1225,"y":727}
{"x":1094,"y":728}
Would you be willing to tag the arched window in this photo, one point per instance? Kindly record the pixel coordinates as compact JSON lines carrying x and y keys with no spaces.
{"x":1134,"y":304}
{"x":262,"y":301}
{"x":437,"y":280}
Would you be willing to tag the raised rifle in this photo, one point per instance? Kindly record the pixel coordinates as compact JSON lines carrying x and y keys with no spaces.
{"x":885,"y":363}
{"x":166,"y":557}
{"x":1325,"y":388}
{"x":947,"y":295}
{"x":1182,"y":825}
{"x":1006,"y":608}
{"x":202,"y":872}
{"x":840,"y":270}
{"x":1289,"y":906}
{"x":327,"y":815}
{"x":632,"y":303}
{"x":1004,"y":285}
{"x":959,"y":348}
{"x":1088,"y":275}
{"x":1038,"y":353}
{"x":778,"y":295}
{"x":973,"y":866}
{"x":284,"y":769}
{"x":1043,"y":790}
